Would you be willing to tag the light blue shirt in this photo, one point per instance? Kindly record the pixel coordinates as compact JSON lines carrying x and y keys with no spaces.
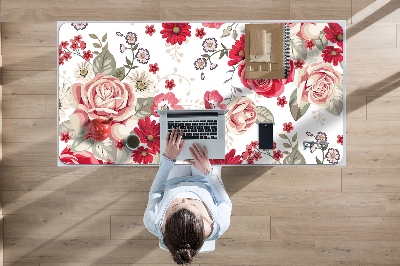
{"x":209,"y":188}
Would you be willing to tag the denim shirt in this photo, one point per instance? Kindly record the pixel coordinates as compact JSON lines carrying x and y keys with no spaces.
{"x":209,"y":188}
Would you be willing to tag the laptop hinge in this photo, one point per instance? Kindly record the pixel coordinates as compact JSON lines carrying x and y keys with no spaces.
{"x":188,"y":114}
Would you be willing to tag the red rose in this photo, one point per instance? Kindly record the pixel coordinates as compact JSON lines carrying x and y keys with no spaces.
{"x":212,"y":100}
{"x":83,"y":157}
{"x":237,"y":53}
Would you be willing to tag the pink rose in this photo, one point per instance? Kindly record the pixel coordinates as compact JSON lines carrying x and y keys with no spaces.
{"x":310,"y":30}
{"x":241,"y":115}
{"x":104,"y":97}
{"x":212,"y":100}
{"x":83,"y":157}
{"x":317,"y":84}
{"x":212,"y":25}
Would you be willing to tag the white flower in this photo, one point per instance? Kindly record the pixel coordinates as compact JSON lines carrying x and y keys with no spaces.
{"x":142,"y":82}
{"x":64,"y":100}
{"x":83,"y":72}
{"x":143,"y":55}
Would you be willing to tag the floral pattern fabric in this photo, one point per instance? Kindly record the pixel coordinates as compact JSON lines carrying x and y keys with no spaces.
{"x":127,"y":71}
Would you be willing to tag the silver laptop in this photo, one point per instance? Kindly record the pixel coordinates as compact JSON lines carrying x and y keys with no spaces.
{"x":205,"y":127}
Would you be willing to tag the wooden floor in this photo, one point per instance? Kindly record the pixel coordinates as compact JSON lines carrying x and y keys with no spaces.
{"x":281,"y":215}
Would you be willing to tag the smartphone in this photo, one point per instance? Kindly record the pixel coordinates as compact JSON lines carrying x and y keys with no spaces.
{"x":265,"y":135}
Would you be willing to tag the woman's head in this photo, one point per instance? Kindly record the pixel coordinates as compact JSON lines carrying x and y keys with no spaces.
{"x":184,"y":235}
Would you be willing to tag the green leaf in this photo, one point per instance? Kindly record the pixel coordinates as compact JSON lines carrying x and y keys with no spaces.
{"x":335,"y":106}
{"x":294,"y":138}
{"x":287,"y":145}
{"x":295,"y":157}
{"x":205,"y":55}
{"x":296,"y":110}
{"x":106,"y":46}
{"x":135,"y":47}
{"x":234,"y":34}
{"x":134,"y":67}
{"x":129,"y":62}
{"x":80,"y":143}
{"x":104,"y":63}
{"x":321,"y":42}
{"x":96,"y":45}
{"x":286,"y":152}
{"x":127,"y":66}
{"x":105,"y":150}
{"x":93,"y":36}
{"x":226,"y":31}
{"x":264,"y":115}
{"x":223,"y":46}
{"x":298,"y":49}
{"x":221,"y":54}
{"x":123,"y":156}
{"x":142,"y":107}
{"x":318,"y":160}
{"x":120,"y":73}
{"x":95,"y":52}
{"x":283,"y":136}
{"x":104,"y":39}
{"x":296,"y":146}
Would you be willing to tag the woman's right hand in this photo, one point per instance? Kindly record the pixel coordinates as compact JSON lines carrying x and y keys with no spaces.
{"x":201,"y":160}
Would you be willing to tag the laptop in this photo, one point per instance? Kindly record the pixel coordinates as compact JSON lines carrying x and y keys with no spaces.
{"x":204,"y":127}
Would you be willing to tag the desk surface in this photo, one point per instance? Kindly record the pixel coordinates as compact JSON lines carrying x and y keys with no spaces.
{"x":128,"y":70}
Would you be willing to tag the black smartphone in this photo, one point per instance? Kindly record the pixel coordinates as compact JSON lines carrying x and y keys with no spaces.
{"x":265,"y":135}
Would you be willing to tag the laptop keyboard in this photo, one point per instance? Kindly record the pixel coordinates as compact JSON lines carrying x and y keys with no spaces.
{"x":196,"y":129}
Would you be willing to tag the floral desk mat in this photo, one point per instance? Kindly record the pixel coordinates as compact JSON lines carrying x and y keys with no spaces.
{"x":126,"y":71}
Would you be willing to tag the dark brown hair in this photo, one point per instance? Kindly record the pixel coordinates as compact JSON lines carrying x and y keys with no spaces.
{"x":184,"y":235}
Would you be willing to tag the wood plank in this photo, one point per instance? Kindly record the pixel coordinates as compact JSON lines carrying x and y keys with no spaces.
{"x":383,"y":108}
{"x":30,"y":154}
{"x":147,"y":251}
{"x":107,"y":203}
{"x":51,"y":106}
{"x":28,"y":34}
{"x":21,"y":264}
{"x":364,"y":252}
{"x":24,"y":106}
{"x":320,"y":9}
{"x":225,"y":10}
{"x":31,"y":62}
{"x":381,"y":180}
{"x":383,"y":155}
{"x":384,"y":35}
{"x":53,"y":226}
{"x":33,"y":202}
{"x":40,"y":130}
{"x":373,"y":132}
{"x":119,"y":179}
{"x":118,"y":10}
{"x":372,"y":12}
{"x":358,"y":6}
{"x":113,"y":264}
{"x":356,"y":108}
{"x":393,"y":204}
{"x":309,"y":204}
{"x":129,"y":227}
{"x":29,"y":82}
{"x":335,"y":228}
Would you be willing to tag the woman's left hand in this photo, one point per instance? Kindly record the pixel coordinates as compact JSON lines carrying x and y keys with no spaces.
{"x":174,"y":144}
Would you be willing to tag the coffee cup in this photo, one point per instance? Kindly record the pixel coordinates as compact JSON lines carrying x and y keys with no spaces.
{"x":132,"y":142}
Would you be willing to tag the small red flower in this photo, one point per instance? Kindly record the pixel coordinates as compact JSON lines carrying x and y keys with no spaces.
{"x":67,"y":56}
{"x":109,"y":162}
{"x":120,"y":144}
{"x":277,"y":155}
{"x":274,"y":146}
{"x":230,"y":158}
{"x":298,"y":64}
{"x":74,"y":45}
{"x":237,"y":53}
{"x":61,"y":61}
{"x":169,"y":84}
{"x":200,"y":33}
{"x":282,"y":101}
{"x":149,"y":132}
{"x":87,"y":55}
{"x":287,"y":127}
{"x":340,"y":139}
{"x":142,"y":155}
{"x":78,"y":38}
{"x":245,"y":155}
{"x":257,"y":155}
{"x":310,"y":44}
{"x":334,"y":33}
{"x":254,"y":144}
{"x":150,"y":30}
{"x":60,"y":51}
{"x":331,"y":54}
{"x":82,"y":45}
{"x":64,"y":44}
{"x":65,"y":137}
{"x":175,"y":32}
{"x":250,"y":160}
{"x":153,"y":68}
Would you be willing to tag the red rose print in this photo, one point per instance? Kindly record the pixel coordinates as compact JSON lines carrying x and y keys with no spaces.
{"x":216,"y":25}
{"x":82,"y":45}
{"x":230,"y":158}
{"x":282,"y":101}
{"x":109,"y":162}
{"x":74,"y":45}
{"x":61,"y":61}
{"x":150,"y":30}
{"x":77,"y":38}
{"x":254,"y":144}
{"x":83,"y":157}
{"x":237,"y":53}
{"x":149,"y":132}
{"x":119,"y":144}
{"x":257,"y":155}
{"x":340,"y":139}
{"x":310,"y":44}
{"x":200,"y":33}
{"x":334,"y":33}
{"x":67,"y":56}
{"x":212,"y":100}
{"x":287,"y":127}
{"x":64,"y":44}
{"x":175,"y":32}
{"x":331,"y":54}
{"x":87,"y":55}
{"x":277,"y":155}
{"x":298,"y":63}
{"x":165,"y":102}
{"x":65,"y":137}
{"x":142,"y":155}
{"x":169,"y":84}
{"x":153,"y":68}
{"x":274,"y":146}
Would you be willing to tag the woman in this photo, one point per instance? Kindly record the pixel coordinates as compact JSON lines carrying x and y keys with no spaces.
{"x":189,"y":204}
